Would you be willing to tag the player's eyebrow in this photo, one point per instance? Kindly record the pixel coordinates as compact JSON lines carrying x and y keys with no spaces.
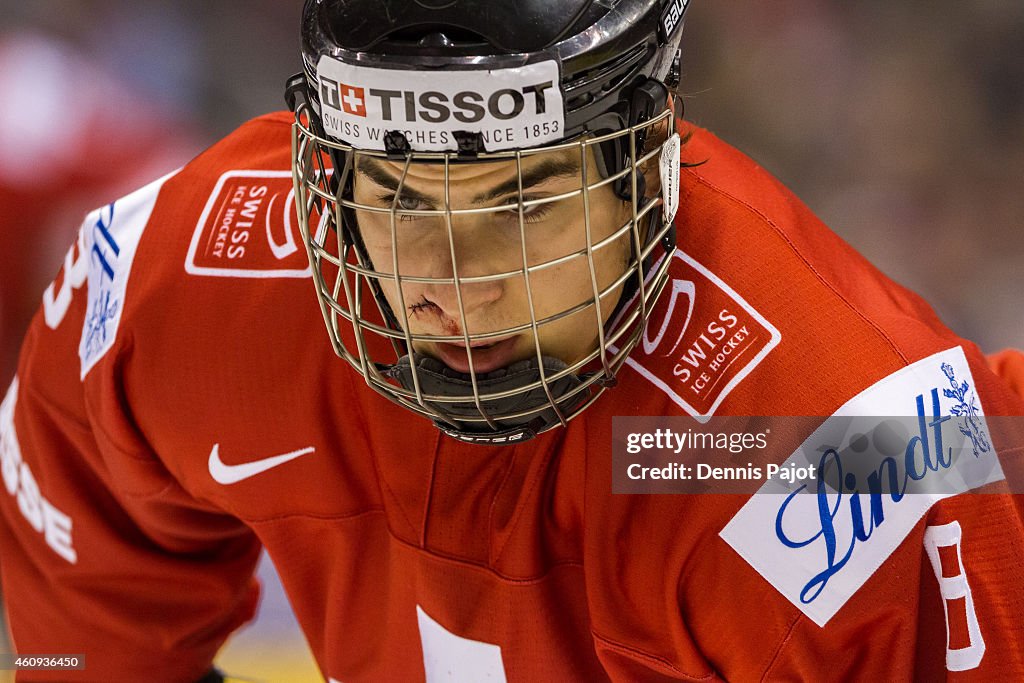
{"x":559,"y":167}
{"x":375,"y":172}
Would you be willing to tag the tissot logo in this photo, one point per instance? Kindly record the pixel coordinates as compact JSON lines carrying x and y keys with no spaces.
{"x":353,"y":99}
{"x":433,"y":106}
{"x":508,"y":108}
{"x":467,"y":106}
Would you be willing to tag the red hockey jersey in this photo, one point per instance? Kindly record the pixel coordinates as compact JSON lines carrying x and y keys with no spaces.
{"x":178,"y":405}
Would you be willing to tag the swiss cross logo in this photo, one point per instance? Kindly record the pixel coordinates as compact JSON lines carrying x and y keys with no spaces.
{"x":702,"y":340}
{"x":353,"y":100}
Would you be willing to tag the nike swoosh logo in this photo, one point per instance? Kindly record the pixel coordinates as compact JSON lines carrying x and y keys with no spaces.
{"x":232,"y":474}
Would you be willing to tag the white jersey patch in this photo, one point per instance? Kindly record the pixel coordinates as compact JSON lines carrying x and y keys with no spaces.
{"x":247,"y":229}
{"x":510,"y":108}
{"x":818,"y":549}
{"x":110,"y":237}
{"x":702,"y":340}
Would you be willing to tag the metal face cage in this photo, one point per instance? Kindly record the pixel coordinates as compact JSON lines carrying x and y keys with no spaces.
{"x":413,"y":278}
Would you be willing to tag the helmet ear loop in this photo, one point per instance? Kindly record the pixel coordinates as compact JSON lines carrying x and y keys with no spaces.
{"x":648,"y":98}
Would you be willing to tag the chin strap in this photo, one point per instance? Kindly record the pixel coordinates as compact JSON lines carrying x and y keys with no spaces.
{"x":438,"y":379}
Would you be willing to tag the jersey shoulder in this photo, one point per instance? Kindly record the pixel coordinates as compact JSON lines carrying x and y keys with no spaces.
{"x":770,"y":312}
{"x":170,"y":251}
{"x":755,"y":223}
{"x":228,"y":212}
{"x":188,"y":302}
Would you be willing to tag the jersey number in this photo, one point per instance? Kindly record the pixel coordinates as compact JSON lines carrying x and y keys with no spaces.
{"x":448,"y":657}
{"x":76,"y":269}
{"x":454,"y":659}
{"x":956,"y":597}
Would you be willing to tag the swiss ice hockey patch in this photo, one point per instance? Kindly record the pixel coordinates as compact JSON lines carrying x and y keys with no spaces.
{"x":702,"y":339}
{"x":248,"y":229}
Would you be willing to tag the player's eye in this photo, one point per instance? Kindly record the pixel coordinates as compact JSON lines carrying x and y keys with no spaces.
{"x":404,"y":203}
{"x":410,"y":204}
{"x":531,"y":213}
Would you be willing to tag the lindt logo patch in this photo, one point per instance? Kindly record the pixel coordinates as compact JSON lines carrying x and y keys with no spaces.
{"x":702,"y":340}
{"x":248,"y":229}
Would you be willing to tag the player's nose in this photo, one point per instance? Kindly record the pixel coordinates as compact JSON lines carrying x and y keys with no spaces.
{"x":471,"y":267}
{"x":462,"y":298}
{"x":475,"y":279}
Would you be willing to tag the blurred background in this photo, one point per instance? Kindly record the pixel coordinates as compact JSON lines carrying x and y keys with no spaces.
{"x":900,"y":123}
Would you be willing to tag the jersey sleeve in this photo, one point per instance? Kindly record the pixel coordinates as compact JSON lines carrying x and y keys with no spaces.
{"x":104,"y":553}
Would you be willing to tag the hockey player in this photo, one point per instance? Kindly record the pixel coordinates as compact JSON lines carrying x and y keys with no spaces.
{"x":511,"y":239}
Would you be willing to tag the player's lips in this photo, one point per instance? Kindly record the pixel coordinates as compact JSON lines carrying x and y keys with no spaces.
{"x":487,"y":355}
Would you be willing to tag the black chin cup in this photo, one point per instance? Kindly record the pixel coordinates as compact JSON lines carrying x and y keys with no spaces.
{"x":438,"y":379}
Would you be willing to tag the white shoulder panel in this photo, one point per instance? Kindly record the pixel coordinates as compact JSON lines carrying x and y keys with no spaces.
{"x":110,"y":237}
